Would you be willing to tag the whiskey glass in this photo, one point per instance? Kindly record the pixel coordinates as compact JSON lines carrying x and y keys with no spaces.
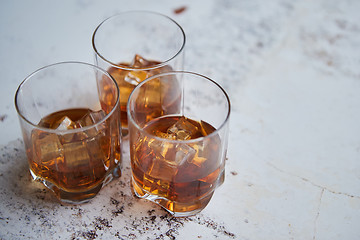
{"x":135,"y":45}
{"x":70,"y":119}
{"x":178,"y":146}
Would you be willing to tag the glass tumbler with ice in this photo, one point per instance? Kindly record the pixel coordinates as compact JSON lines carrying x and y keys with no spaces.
{"x":70,"y":118}
{"x":178,"y":153}
{"x":135,"y":45}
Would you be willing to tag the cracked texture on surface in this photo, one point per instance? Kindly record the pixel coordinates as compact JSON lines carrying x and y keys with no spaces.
{"x":291,"y":69}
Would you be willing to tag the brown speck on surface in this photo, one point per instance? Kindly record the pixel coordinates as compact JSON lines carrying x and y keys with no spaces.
{"x":118,"y":211}
{"x":180,"y":10}
{"x":89,"y":235}
{"x":234,"y":173}
{"x":171,"y":233}
{"x":230,"y":234}
{"x":101,"y":223}
{"x":3,"y":117}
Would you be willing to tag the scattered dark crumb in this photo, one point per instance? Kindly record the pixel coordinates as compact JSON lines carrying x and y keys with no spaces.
{"x":118,"y":211}
{"x":180,"y":10}
{"x":100,"y":223}
{"x":219,"y":228}
{"x":229,"y":234}
{"x":114,"y":201}
{"x":3,"y":117}
{"x":132,"y":236}
{"x":153,"y":219}
{"x":150,"y":212}
{"x":89,"y":235}
{"x":234,"y":173}
{"x":78,"y":213}
{"x":246,"y":221}
{"x":170,"y":233}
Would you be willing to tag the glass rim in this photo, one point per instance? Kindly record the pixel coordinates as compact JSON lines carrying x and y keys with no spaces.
{"x":222,"y":125}
{"x":163,"y":63}
{"x":81,"y":129}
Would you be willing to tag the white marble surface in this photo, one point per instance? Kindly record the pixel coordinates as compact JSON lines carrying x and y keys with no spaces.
{"x":292,"y":71}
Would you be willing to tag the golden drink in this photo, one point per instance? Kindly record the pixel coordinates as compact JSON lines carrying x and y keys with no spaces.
{"x":128,"y":79}
{"x":179,"y":175}
{"x":75,"y":160}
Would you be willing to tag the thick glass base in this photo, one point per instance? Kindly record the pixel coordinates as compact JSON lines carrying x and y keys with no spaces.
{"x":77,"y":197}
{"x":177,"y":209}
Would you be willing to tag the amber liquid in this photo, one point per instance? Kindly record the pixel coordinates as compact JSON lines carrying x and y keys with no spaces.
{"x":179,"y":176}
{"x":127,"y":80}
{"x":74,"y":164}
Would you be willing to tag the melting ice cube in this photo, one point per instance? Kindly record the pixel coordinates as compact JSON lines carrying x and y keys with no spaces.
{"x":135,"y":77}
{"x":165,"y":135}
{"x":183,"y":129}
{"x":76,"y":154}
{"x":46,"y":147}
{"x":65,"y":123}
{"x":140,"y":62}
{"x":160,"y":148}
{"x":99,"y":160}
{"x":90,"y":118}
{"x":167,"y":157}
{"x":184,"y":153}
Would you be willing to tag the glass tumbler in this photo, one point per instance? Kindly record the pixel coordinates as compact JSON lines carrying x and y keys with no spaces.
{"x":70,"y":119}
{"x":178,"y":148}
{"x":135,"y":45}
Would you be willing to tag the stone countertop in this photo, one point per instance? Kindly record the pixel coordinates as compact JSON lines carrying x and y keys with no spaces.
{"x":291,"y":69}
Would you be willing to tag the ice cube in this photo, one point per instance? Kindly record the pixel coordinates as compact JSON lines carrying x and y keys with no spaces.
{"x":46,"y":147}
{"x":76,"y":154}
{"x":172,"y":153}
{"x":90,"y":118}
{"x":72,"y":137}
{"x":198,"y":160}
{"x":135,"y":77}
{"x":165,"y":135}
{"x":183,"y":129}
{"x":207,"y":153}
{"x":140,"y":62}
{"x":143,"y":156}
{"x":149,"y":100}
{"x":97,"y":116}
{"x":184,"y":153}
{"x":161,"y":148}
{"x":64,"y":123}
{"x":160,"y":169}
{"x":202,"y":152}
{"x":160,"y":153}
{"x":98,"y":159}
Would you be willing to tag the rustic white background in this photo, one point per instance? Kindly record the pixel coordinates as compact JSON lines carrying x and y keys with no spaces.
{"x":292,"y":70}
